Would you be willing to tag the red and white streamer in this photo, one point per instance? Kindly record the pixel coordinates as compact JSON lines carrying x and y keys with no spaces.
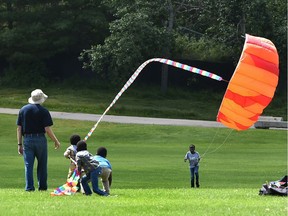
{"x":137,"y":72}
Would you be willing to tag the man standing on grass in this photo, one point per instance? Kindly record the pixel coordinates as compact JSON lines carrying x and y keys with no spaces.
{"x":193,"y":157}
{"x":32,"y":124}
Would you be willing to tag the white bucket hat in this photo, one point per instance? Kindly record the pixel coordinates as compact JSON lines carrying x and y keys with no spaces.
{"x":37,"y":97}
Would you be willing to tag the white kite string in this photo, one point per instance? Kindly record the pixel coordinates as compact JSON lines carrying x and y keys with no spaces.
{"x":139,"y":69}
{"x":218,"y":128}
{"x":219,"y":145}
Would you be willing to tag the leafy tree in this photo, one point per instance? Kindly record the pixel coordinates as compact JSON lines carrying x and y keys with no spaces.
{"x":129,"y":45}
{"x":40,"y":39}
{"x":137,"y":33}
{"x":34,"y":33}
{"x":278,"y":15}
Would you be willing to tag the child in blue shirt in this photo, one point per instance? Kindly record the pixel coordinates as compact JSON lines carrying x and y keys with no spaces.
{"x":193,"y":157}
{"x":86,"y":161}
{"x":106,"y":174}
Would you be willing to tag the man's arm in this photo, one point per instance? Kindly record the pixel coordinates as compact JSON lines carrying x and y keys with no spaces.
{"x":51,"y":134}
{"x":19,"y":139}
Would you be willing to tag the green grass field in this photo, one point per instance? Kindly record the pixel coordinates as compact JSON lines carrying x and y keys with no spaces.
{"x":149,"y":175}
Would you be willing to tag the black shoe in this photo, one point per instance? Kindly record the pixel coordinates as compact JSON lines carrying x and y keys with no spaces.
{"x":192,"y":184}
{"x":42,"y":189}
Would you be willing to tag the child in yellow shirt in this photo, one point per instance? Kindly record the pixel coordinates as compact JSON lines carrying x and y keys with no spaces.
{"x":70,"y":153}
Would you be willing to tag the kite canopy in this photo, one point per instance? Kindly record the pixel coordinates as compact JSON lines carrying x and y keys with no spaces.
{"x":252,"y":85}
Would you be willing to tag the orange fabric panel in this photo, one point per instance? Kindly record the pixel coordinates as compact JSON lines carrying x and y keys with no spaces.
{"x":229,"y":124}
{"x":243,"y":90}
{"x":261,"y":63}
{"x":252,"y":85}
{"x":245,"y":102}
{"x":256,"y":108}
{"x":262,"y":47}
{"x":257,"y":73}
{"x":267,"y":55}
{"x":245,"y":122}
{"x":235,"y":110}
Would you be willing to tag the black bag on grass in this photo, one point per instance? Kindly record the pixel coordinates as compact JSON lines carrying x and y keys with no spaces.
{"x":278,"y":188}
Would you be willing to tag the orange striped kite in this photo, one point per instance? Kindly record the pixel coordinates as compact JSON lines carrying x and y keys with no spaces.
{"x":249,"y":91}
{"x":252,"y":85}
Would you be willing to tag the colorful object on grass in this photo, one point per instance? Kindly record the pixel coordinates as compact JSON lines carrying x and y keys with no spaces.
{"x":252,"y":85}
{"x":70,"y":187}
{"x":250,"y":89}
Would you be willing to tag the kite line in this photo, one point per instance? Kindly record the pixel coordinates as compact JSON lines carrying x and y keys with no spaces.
{"x":216,"y":149}
{"x":137,"y":72}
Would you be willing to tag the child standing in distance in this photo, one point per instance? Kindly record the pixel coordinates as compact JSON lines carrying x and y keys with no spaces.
{"x":86,"y":161}
{"x":193,"y":157}
{"x":70,"y":153}
{"x":106,"y":175}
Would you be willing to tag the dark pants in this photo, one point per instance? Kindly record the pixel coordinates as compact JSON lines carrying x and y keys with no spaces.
{"x":35,"y":146}
{"x":93,"y":176}
{"x":194,"y":172}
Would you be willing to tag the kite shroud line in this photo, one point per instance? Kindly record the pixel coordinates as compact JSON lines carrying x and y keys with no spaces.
{"x":137,"y":72}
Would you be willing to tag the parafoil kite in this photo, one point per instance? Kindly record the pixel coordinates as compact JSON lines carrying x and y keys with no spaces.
{"x":252,"y":85}
{"x":249,"y":91}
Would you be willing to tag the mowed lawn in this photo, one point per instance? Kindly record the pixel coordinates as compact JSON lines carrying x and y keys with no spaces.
{"x":149,"y":174}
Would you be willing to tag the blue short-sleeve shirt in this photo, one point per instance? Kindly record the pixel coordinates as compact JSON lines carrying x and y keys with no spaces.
{"x":33,"y":118}
{"x":103,"y":162}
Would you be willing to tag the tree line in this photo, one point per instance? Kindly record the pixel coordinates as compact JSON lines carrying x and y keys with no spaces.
{"x":106,"y":40}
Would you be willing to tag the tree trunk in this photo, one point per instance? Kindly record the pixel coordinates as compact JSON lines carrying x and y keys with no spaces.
{"x":166,"y":52}
{"x":9,"y":9}
{"x":164,"y":79}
